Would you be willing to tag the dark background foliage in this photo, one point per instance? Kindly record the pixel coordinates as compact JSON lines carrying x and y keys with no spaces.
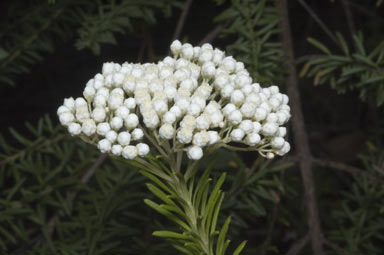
{"x":49,"y":50}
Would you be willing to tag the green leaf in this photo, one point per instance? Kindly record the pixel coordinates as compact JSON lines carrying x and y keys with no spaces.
{"x":240,"y":248}
{"x":170,"y":234}
{"x":319,"y":45}
{"x":220,"y":249}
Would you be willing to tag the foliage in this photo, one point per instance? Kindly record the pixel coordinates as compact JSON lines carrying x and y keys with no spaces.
{"x":356,"y":69}
{"x":42,"y":168}
{"x":32,"y":28}
{"x":253,"y":30}
{"x":360,"y":225}
{"x":38,"y":183}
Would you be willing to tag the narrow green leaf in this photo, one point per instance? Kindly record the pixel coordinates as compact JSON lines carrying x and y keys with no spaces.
{"x":240,"y":248}
{"x":319,"y":45}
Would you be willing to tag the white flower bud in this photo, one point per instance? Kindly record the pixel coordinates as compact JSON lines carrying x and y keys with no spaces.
{"x":205,"y":55}
{"x":122,"y":112}
{"x":108,"y":68}
{"x":115,"y":99}
{"x":252,"y":139}
{"x":103,"y":128}
{"x":62,"y":109}
{"x":260,"y":114}
{"x":88,"y":127}
{"x":82,"y":113}
{"x":282,"y":131}
{"x":237,"y":97}
{"x":274,"y":89}
{"x":228,"y":64}
{"x":242,"y":80}
{"x":239,"y":66}
{"x":235,"y":117}
{"x":246,"y":126}
{"x":74,"y":128}
{"x":187,"y":51}
{"x":184,"y":135}
{"x":220,"y":81}
{"x":104,"y":145}
{"x":167,"y":131}
{"x":160,"y":106}
{"x":66,"y":118}
{"x":137,"y":134}
{"x":169,"y":117}
{"x":201,"y":139}
{"x":150,"y":119}
{"x":213,"y":137}
{"x":203,"y":122}
{"x":195,"y":153}
{"x":218,"y":56}
{"x":116,"y":149}
{"x":248,"y":110}
{"x":270,"y":155}
{"x":176,"y":47}
{"x":169,"y":60}
{"x":272,"y":117}
{"x":228,"y":109}
{"x":118,"y":79}
{"x":142,"y":149}
{"x":130,"y":103}
{"x":277,"y":142}
{"x":131,"y":121}
{"x":124,"y":138}
{"x":129,"y":152}
{"x":116,"y":123}
{"x":111,"y":136}
{"x":256,"y":127}
{"x":269,"y":128}
{"x":194,"y":110}
{"x":70,"y":103}
{"x":99,"y":101}
{"x":89,"y":93}
{"x":176,"y":110}
{"x":208,"y":70}
{"x":170,"y":92}
{"x":285,"y":99}
{"x":226,"y":92}
{"x":98,"y":114}
{"x":286,"y":148}
{"x":237,"y":134}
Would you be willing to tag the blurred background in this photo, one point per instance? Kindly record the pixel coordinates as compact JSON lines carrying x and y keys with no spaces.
{"x":59,"y":196}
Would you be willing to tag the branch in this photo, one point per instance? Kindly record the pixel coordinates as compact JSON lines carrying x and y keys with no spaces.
{"x":337,"y":248}
{"x":51,"y":224}
{"x":298,"y":245}
{"x":299,"y":133}
{"x":346,"y":168}
{"x":208,"y":38}
{"x":181,"y":21}
{"x":318,"y":20}
{"x":349,"y":16}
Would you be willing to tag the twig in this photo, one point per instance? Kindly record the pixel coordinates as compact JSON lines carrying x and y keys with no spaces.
{"x":318,"y":20}
{"x":181,"y":20}
{"x":346,"y":168}
{"x":300,"y":134}
{"x":337,"y":248}
{"x":298,"y":245}
{"x":51,"y":224}
{"x":214,"y":33}
{"x":305,"y":58}
{"x":21,"y":153}
{"x":349,"y":16}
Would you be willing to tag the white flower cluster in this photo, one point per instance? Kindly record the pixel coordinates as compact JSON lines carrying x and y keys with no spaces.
{"x":199,"y":97}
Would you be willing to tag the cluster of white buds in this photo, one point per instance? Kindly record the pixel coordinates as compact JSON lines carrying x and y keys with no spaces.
{"x":199,"y":97}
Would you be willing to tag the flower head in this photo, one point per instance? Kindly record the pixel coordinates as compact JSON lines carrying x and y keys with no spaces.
{"x":197,"y":99}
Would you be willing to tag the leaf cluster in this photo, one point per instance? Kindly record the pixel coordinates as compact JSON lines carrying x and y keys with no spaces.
{"x":253,"y":30}
{"x":356,"y":69}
